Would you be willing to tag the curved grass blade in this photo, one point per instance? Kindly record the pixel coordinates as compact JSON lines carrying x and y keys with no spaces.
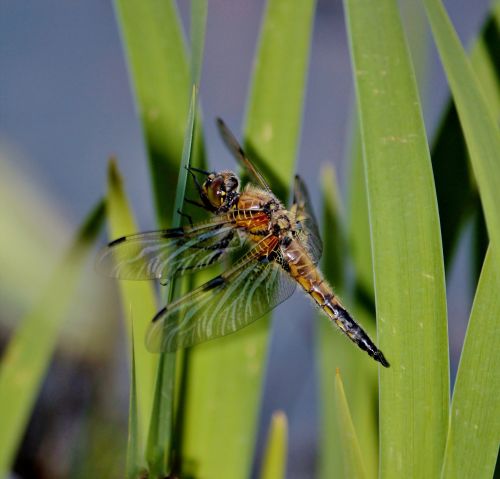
{"x":456,"y":189}
{"x":161,"y":443}
{"x":135,"y":463}
{"x":225,"y":376}
{"x":474,"y":431}
{"x":199,"y":10}
{"x":138,"y":299}
{"x":478,"y":122}
{"x":274,"y":464}
{"x":353,"y":459}
{"x":160,"y":439}
{"x":335,"y":352}
{"x":161,"y":423}
{"x":187,"y":151}
{"x":275,"y":103}
{"x":159,"y":68}
{"x":27,"y":356}
{"x":406,"y":244}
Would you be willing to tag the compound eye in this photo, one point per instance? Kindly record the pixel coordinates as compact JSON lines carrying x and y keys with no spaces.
{"x":216,"y":192}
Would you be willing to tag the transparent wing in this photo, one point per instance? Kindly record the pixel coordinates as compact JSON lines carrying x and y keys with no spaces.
{"x":305,"y":216}
{"x":237,"y":151}
{"x":222,"y":306}
{"x":167,"y":253}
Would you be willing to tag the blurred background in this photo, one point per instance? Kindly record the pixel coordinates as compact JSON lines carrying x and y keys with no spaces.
{"x":65,"y":106}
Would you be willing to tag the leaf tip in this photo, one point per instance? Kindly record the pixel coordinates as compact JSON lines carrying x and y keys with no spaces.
{"x":114,"y":176}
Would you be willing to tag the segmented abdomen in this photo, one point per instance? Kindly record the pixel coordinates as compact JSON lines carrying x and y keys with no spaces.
{"x":302,"y":269}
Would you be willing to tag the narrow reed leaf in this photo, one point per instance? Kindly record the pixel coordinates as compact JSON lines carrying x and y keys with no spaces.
{"x":455,"y":187}
{"x":478,"y":122}
{"x":485,"y":58}
{"x":406,"y":244}
{"x":274,"y":110}
{"x":199,"y":10}
{"x":474,"y":431}
{"x":27,"y":356}
{"x":225,"y":376}
{"x":187,"y":149}
{"x":138,"y":299}
{"x":334,"y":351}
{"x":274,"y":463}
{"x":159,"y":69}
{"x":353,"y":459}
{"x":161,"y":424}
{"x":135,"y":462}
{"x":159,"y":445}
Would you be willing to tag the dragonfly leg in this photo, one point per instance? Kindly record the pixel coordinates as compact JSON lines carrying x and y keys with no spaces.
{"x":194,"y":203}
{"x":191,"y":170}
{"x":184,"y":215}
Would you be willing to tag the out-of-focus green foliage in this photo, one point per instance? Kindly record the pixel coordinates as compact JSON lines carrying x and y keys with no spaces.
{"x":274,"y":463}
{"x":353,"y":459}
{"x":25,"y":362}
{"x":138,"y":301}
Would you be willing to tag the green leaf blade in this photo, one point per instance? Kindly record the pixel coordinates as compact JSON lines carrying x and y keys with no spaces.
{"x":353,"y":460}
{"x":335,"y":352}
{"x":160,"y":72}
{"x":27,"y":356}
{"x":275,"y":104}
{"x":478,"y":123}
{"x":406,"y":245}
{"x":160,"y":440}
{"x":274,"y":464}
{"x":135,"y":462}
{"x":138,"y":300}
{"x":474,"y":432}
{"x":199,"y":11}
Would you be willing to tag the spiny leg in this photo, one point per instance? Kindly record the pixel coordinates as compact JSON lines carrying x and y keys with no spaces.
{"x":185,"y":215}
{"x":194,"y":203}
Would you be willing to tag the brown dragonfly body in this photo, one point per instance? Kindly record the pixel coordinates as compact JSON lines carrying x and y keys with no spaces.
{"x":283,"y":249}
{"x":274,"y":229}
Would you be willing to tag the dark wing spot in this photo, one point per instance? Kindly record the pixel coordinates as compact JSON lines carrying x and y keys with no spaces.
{"x":117,"y":241}
{"x":159,"y":314}
{"x":213,"y":283}
{"x":174,"y":233}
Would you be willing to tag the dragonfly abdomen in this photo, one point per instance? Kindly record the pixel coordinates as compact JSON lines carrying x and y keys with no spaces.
{"x":332,"y":307}
{"x":308,"y":276}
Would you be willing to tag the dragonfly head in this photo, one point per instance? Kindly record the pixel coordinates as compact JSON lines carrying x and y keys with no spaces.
{"x":220,"y":190}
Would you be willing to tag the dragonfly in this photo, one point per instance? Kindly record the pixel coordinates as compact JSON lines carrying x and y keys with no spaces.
{"x":276,"y":248}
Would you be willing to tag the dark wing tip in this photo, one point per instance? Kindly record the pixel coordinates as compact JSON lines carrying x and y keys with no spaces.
{"x":117,"y":241}
{"x":159,"y":314}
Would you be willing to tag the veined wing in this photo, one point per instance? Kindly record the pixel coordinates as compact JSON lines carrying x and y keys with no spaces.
{"x":237,"y":151}
{"x":227,"y":303}
{"x":167,"y":253}
{"x":305,"y":215}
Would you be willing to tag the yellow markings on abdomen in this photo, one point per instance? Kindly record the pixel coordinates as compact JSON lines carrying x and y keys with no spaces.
{"x":302,"y":269}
